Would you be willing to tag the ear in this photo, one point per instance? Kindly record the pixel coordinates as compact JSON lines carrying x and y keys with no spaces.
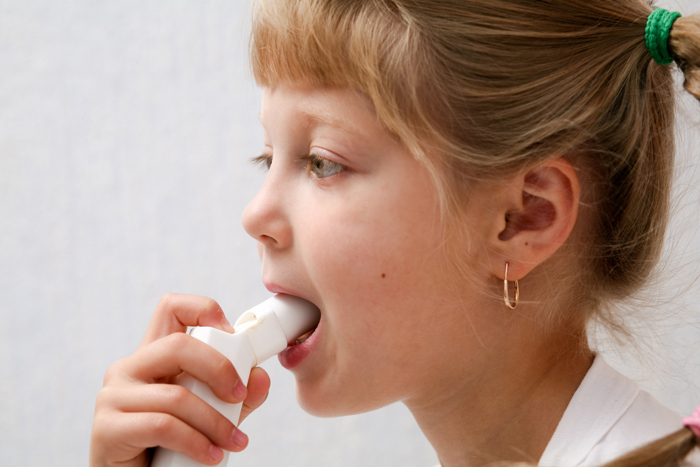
{"x":535,"y":217}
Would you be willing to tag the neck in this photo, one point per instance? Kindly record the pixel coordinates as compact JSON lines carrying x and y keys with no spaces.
{"x":509,"y":409}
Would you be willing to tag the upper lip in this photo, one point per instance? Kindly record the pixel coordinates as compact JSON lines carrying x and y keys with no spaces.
{"x":276,"y":288}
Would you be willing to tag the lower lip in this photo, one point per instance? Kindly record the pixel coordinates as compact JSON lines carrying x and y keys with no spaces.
{"x":295,"y":354}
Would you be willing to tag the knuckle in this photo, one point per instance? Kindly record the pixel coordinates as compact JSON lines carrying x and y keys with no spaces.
{"x":176,"y":395}
{"x":105,"y":429}
{"x":177,"y":339}
{"x":162,"y":424}
{"x":104,"y":398}
{"x":98,"y":424}
{"x":112,"y":371}
{"x":197,"y":443}
{"x":166,"y":301}
{"x":224,"y":368}
{"x":223,"y":427}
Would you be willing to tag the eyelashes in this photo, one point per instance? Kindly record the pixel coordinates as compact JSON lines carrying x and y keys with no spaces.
{"x":262,"y":159}
{"x":321,"y":167}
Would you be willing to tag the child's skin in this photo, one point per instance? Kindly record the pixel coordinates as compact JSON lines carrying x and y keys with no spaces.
{"x":131,"y":414}
{"x":358,"y":233}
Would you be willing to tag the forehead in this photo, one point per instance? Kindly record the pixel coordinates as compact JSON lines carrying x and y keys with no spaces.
{"x":337,"y":107}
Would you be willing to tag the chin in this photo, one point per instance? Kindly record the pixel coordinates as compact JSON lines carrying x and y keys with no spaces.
{"x":334,"y":403}
{"x":319,"y":405}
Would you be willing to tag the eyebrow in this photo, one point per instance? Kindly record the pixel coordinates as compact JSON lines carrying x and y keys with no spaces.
{"x":323,"y":117}
{"x":311,"y":115}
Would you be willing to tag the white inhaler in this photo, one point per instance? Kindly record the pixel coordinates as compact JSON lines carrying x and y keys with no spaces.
{"x":261,"y":332}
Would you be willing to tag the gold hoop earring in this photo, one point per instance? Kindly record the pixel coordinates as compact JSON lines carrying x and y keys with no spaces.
{"x":506,"y":298}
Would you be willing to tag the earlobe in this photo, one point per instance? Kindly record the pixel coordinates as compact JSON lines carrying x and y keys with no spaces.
{"x":539,"y":216}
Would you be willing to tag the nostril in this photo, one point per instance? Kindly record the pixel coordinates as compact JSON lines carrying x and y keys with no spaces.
{"x":267,"y":241}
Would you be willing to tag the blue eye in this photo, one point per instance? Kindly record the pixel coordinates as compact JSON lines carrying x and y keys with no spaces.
{"x":323,"y":168}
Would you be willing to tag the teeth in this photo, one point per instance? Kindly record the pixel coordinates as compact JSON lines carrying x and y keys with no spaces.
{"x":303,"y":337}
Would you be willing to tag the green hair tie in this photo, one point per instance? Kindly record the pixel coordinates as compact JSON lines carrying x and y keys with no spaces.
{"x":656,"y":34}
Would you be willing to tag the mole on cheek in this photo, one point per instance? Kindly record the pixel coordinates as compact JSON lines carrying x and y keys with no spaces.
{"x":383,"y":275}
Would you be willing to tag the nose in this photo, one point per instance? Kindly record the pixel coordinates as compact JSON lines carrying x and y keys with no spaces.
{"x":266,"y":218}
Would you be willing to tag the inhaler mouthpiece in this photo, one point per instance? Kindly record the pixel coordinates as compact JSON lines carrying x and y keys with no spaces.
{"x":294,"y":316}
{"x":275,"y":323}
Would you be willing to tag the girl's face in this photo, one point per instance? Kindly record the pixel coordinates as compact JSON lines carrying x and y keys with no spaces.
{"x":348,"y":220}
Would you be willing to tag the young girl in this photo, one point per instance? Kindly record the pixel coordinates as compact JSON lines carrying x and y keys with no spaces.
{"x":460,"y":187}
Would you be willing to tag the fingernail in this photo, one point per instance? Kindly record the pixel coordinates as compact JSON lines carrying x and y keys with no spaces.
{"x":239,"y":438}
{"x":215,"y":453}
{"x":239,"y":390}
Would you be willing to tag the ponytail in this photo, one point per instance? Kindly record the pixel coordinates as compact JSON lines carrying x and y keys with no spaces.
{"x":671,"y":450}
{"x":668,"y":451}
{"x":684,"y":46}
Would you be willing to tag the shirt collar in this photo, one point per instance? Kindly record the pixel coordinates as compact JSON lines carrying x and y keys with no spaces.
{"x":602,"y":398}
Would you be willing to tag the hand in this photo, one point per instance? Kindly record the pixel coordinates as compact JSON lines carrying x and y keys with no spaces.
{"x":139,"y":407}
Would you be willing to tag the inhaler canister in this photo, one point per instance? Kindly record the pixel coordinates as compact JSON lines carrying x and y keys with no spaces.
{"x":261,"y":332}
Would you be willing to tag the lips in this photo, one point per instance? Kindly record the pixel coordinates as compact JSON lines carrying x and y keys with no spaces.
{"x":276,"y":288}
{"x":298,"y":350}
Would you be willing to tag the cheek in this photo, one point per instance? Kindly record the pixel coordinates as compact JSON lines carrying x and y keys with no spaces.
{"x":379,"y":272}
{"x":375,"y":262}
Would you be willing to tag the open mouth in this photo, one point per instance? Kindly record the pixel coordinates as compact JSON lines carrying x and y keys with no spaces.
{"x":300,"y":348}
{"x":303,"y":337}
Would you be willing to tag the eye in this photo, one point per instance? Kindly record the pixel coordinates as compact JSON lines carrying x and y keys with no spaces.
{"x":265,"y":159}
{"x":323,"y":168}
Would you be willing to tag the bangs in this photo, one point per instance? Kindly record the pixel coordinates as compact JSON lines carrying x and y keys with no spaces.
{"x":369,"y":45}
{"x":304,"y":41}
{"x":320,"y":42}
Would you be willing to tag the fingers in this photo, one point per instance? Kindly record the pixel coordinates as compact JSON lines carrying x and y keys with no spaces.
{"x":130,"y":418}
{"x":258,"y":389}
{"x":175,"y":312}
{"x":173,"y":354}
{"x":135,"y":411}
{"x":140,"y":431}
{"x":181,"y":404}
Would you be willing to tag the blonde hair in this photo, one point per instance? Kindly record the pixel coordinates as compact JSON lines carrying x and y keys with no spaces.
{"x":669,"y":451}
{"x":480,"y":89}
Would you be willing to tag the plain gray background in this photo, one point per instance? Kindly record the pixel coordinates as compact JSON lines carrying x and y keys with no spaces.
{"x":125,"y":132}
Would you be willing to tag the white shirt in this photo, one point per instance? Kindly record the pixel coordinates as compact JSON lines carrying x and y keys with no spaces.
{"x":607,"y":417}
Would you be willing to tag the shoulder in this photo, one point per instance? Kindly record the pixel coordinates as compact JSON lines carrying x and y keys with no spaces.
{"x":607,"y":417}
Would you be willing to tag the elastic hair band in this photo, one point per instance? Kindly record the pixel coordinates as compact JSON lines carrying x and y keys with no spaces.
{"x":656,"y":33}
{"x":693,"y":422}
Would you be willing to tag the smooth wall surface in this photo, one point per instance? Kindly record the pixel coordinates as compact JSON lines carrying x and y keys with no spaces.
{"x":125,"y":133}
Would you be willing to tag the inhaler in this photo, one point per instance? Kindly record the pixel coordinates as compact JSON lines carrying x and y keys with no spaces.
{"x":261,"y":332}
